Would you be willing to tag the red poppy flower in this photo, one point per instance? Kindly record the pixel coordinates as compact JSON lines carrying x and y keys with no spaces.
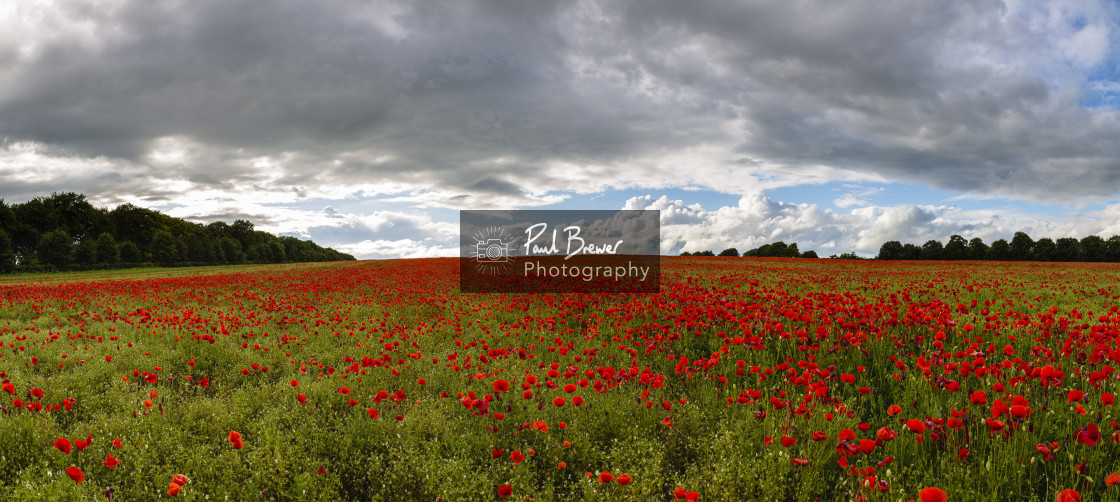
{"x":1109,"y":480}
{"x":235,"y":439}
{"x":578,"y":401}
{"x":295,"y":383}
{"x":504,"y":491}
{"x":933,"y":495}
{"x":846,"y":435}
{"x":63,"y":445}
{"x":173,"y":489}
{"x":76,"y":474}
{"x":799,"y":461}
{"x":117,"y":443}
{"x":996,"y":425}
{"x":625,"y":479}
{"x":788,"y":441}
{"x":979,"y":398}
{"x":866,"y":446}
{"x":501,"y":386}
{"x":84,"y":444}
{"x":1108,"y":399}
{"x":9,"y":388}
{"x":344,"y":390}
{"x":37,"y":393}
{"x":558,"y":401}
{"x":1044,"y":451}
{"x":110,"y":462}
{"x":1074,"y":395}
{"x":1069,"y":496}
{"x":916,"y":426}
{"x":1089,"y":436}
{"x":605,"y":477}
{"x":302,"y":398}
{"x":516,"y":457}
{"x":180,"y":480}
{"x":893,"y":410}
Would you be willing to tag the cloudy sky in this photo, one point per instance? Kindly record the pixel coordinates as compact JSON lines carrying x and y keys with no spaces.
{"x":367,"y":125}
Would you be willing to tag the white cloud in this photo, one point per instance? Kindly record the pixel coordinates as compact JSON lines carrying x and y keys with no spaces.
{"x":758,"y":220}
{"x":403,"y":248}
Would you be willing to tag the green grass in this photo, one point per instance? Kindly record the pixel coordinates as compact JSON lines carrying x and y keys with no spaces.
{"x":317,"y":321}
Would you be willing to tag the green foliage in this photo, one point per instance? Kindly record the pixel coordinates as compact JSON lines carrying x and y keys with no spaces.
{"x":56,"y":248}
{"x":7,"y":256}
{"x":1091,"y":249}
{"x":130,"y":253}
{"x":107,"y":251}
{"x":99,"y":238}
{"x":777,"y":250}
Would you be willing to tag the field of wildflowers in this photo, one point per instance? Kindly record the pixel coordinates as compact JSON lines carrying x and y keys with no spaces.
{"x":743,"y":379}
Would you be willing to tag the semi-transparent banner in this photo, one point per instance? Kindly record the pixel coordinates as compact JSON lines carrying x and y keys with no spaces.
{"x":579,"y":251}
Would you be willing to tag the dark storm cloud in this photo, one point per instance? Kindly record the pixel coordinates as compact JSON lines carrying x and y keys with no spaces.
{"x":510,"y":100}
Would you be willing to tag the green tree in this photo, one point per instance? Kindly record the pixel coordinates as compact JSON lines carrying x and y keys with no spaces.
{"x":932,"y":250}
{"x":7,"y":218}
{"x":107,"y":251}
{"x":809,"y":254}
{"x":1021,"y":246}
{"x":1000,"y":250}
{"x":956,"y":248}
{"x":231,"y":250}
{"x":890,"y":250}
{"x":57,"y":248}
{"x":1092,"y":249}
{"x":130,"y":253}
{"x":278,"y":254}
{"x":1043,"y":249}
{"x":7,"y":256}
{"x":911,"y":252}
{"x":1066,"y":249}
{"x":85,"y":253}
{"x":977,"y":250}
{"x":729,"y":252}
{"x":163,"y":248}
{"x":1112,"y":248}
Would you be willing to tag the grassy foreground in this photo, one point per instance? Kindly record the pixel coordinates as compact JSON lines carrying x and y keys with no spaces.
{"x":744,"y":379}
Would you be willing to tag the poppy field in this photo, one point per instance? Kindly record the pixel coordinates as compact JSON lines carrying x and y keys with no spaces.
{"x":743,"y":379}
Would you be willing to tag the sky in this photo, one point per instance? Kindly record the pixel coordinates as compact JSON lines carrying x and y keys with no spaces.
{"x":366,"y":126}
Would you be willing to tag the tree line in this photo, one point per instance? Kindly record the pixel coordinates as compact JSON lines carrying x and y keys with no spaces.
{"x":1021,"y":247}
{"x":65,"y":232}
{"x":773,"y":250}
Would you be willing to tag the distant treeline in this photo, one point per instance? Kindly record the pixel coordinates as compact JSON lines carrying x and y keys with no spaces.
{"x":1021,"y":247}
{"x":774,"y":250}
{"x":65,"y":232}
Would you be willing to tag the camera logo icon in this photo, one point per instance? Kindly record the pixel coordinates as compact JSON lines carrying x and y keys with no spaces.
{"x":492,"y":251}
